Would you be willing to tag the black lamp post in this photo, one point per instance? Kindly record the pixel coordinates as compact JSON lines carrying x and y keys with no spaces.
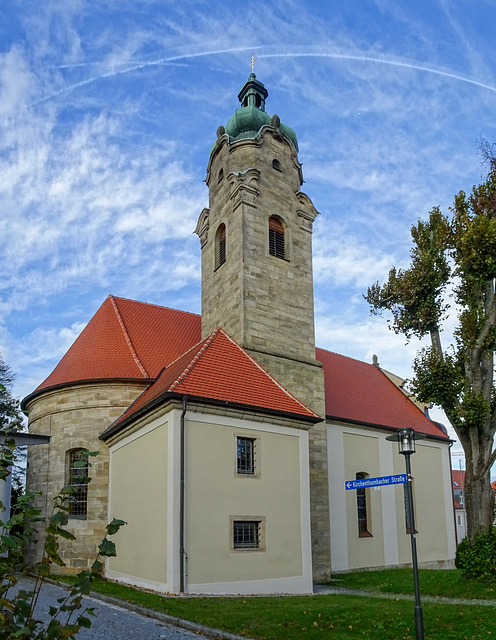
{"x":406,"y":445}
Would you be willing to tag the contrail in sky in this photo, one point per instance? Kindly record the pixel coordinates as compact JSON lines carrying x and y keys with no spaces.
{"x":337,"y":56}
{"x":393,"y":63}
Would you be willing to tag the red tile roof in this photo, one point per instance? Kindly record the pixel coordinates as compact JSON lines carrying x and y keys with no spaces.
{"x":126,"y":339}
{"x":458,"y":476}
{"x":361,"y":393}
{"x":219,"y":369}
{"x":130,"y":340}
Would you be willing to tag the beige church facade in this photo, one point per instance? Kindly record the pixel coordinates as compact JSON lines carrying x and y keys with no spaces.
{"x":225,"y":440}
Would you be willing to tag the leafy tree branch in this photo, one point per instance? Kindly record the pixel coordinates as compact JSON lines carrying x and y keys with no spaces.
{"x":454,"y":255}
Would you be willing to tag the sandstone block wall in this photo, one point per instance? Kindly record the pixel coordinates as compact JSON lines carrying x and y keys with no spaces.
{"x":262,"y":301}
{"x":74,"y":417}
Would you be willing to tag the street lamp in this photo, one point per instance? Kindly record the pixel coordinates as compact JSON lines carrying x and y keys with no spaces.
{"x":406,"y":446}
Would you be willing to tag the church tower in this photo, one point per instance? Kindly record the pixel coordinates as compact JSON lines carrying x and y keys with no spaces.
{"x":257,"y":281}
{"x":256,"y":239}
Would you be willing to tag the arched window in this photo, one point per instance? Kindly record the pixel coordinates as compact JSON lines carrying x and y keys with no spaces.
{"x":277,"y":242}
{"x":363,"y":521}
{"x":276,"y":164}
{"x":77,"y":479}
{"x":220,"y":246}
{"x":220,"y":175}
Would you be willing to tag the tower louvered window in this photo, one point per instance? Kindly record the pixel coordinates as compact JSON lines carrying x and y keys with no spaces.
{"x":277,"y":245}
{"x":220,"y":246}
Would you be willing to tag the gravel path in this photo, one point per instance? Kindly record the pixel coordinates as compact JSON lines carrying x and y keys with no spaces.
{"x":323,"y":590}
{"x":114,"y":622}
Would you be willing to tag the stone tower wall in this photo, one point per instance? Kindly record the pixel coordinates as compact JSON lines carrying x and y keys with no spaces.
{"x":264,"y":302}
{"x":74,"y":417}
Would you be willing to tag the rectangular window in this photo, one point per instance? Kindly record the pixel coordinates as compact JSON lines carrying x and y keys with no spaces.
{"x":247,"y":533}
{"x":245,"y":456}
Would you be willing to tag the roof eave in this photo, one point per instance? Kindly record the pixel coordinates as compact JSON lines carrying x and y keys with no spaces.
{"x":148,"y":408}
{"x":75,"y":383}
{"x":373,"y":425}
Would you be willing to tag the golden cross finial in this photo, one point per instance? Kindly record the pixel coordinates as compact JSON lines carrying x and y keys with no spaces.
{"x":252,"y":64}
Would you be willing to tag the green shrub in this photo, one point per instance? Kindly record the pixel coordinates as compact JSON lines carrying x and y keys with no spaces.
{"x":477,"y":558}
{"x":18,"y":607}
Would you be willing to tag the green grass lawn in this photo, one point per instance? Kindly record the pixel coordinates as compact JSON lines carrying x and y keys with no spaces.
{"x":336,"y":616}
{"x":450,"y":584}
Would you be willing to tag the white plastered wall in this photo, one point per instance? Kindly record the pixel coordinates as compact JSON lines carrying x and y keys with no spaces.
{"x":355,"y":449}
{"x":145,"y":466}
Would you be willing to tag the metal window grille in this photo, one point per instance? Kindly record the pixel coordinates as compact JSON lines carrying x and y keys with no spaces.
{"x":246,"y":534}
{"x":78,"y":481}
{"x":277,"y":245}
{"x":245,"y":456}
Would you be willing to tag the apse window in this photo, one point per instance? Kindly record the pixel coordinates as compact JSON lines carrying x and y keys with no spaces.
{"x":277,"y":241}
{"x":220,"y":246}
{"x":245,"y":456}
{"x":77,"y":480}
{"x":362,"y":508}
{"x":248,"y":534}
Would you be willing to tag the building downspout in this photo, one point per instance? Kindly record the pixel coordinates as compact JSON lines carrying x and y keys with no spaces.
{"x":182,"y":550}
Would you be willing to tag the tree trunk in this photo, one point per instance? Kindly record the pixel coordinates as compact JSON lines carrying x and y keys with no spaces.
{"x":479,"y":501}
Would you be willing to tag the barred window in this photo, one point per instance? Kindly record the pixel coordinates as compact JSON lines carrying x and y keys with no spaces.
{"x":77,"y":479}
{"x":277,"y":244}
{"x":246,"y":534}
{"x":245,"y":456}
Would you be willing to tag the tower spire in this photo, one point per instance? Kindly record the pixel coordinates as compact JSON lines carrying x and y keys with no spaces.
{"x":253,"y":93}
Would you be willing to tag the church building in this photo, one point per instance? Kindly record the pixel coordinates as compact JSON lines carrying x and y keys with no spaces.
{"x":225,"y":440}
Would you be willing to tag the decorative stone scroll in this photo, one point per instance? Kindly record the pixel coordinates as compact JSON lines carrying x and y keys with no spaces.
{"x":307,"y":212}
{"x":202,"y":227}
{"x":243,"y":190}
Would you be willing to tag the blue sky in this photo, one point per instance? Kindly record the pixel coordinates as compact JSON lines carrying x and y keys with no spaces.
{"x":108,"y":110}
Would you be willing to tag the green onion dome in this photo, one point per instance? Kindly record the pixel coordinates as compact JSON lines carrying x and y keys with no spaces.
{"x":247,"y":121}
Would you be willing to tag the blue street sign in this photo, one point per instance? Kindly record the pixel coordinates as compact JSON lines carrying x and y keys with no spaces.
{"x":383,"y":481}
